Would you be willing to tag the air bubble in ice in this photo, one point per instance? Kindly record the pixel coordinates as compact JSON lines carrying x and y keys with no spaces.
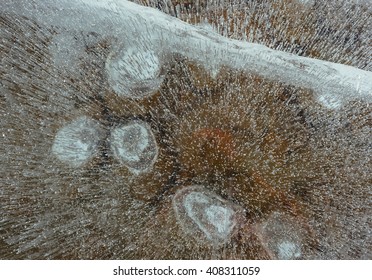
{"x":77,"y":142}
{"x":134,"y":145}
{"x":283,"y":236}
{"x":134,"y":72}
{"x":205,"y":215}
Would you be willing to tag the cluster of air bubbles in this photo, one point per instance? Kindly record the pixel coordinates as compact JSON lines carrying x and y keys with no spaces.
{"x":134,"y":145}
{"x":134,"y":72}
{"x":204,"y":215}
{"x":282,"y":236}
{"x":217,"y":164}
{"x":77,"y":142}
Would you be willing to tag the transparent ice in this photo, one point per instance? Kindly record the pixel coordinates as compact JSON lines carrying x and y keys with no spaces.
{"x":265,"y":106}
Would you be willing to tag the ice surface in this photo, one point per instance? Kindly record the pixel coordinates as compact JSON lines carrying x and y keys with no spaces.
{"x":198,"y":44}
{"x":284,"y":236}
{"x":109,"y":110}
{"x":77,"y":142}
{"x":288,"y":251}
{"x":134,"y":72}
{"x":329,"y":101}
{"x":198,"y":210}
{"x":219,"y":217}
{"x":135,"y":146}
{"x":65,"y":50}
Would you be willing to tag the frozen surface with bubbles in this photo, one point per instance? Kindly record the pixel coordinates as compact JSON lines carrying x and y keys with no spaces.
{"x":209,"y":129}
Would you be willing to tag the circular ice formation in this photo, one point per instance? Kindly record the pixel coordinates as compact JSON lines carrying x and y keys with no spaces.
{"x":134,"y":72}
{"x":206,"y":216}
{"x":135,"y":146}
{"x":283,"y":236}
{"x":220,"y":218}
{"x":77,"y":142}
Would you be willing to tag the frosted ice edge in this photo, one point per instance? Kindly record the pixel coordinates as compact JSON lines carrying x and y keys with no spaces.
{"x":167,"y":33}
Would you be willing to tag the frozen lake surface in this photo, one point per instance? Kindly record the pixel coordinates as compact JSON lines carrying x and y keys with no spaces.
{"x":237,"y":130}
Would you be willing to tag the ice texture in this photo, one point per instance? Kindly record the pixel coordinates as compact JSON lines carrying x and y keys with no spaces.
{"x":134,"y":72}
{"x":197,"y":44}
{"x":135,"y":146}
{"x":199,"y":211}
{"x":284,"y":236}
{"x":185,"y":130}
{"x":288,"y":250}
{"x":77,"y":142}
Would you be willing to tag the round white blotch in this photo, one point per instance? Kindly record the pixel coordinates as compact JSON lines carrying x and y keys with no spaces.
{"x":77,"y":142}
{"x":134,"y":72}
{"x":135,"y":146}
{"x":221,"y":218}
{"x":215,"y":221}
{"x":283,"y":236}
{"x":288,"y":250}
{"x":206,"y":216}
